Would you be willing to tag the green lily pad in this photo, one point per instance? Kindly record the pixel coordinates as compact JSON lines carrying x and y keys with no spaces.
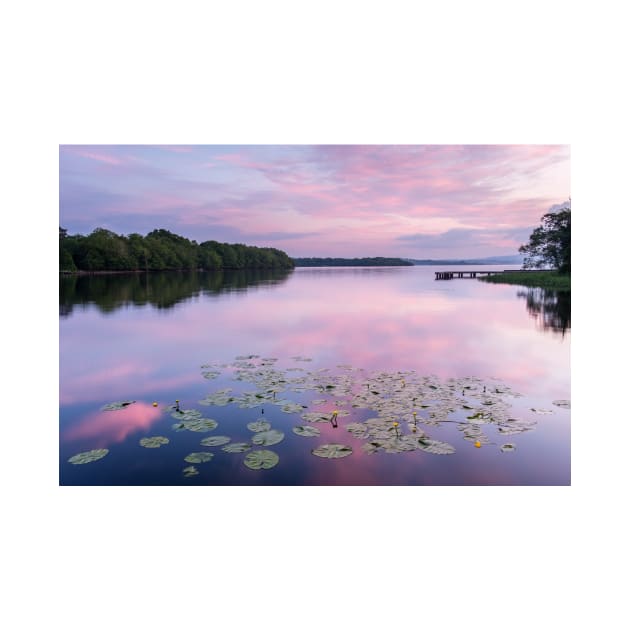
{"x":400,"y":444}
{"x":508,"y":448}
{"x":117,"y":405}
{"x":292,"y":407}
{"x":88,"y":456}
{"x":513,"y":426}
{"x":316,"y":416}
{"x":203,"y":425}
{"x":190,"y":471}
{"x":261,"y":459}
{"x":370,"y":447}
{"x":186,"y":414}
{"x":435,"y":447}
{"x":564,"y":404}
{"x":332,"y":451}
{"x":236,"y":447}
{"x":198,"y":458}
{"x":153,"y":442}
{"x":215,"y":440}
{"x":258,"y":426}
{"x":267,"y":438}
{"x":306,"y":431}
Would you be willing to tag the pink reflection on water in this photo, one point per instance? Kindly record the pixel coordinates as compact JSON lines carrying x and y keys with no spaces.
{"x":108,"y":427}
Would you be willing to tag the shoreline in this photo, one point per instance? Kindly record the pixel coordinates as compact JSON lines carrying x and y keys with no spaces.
{"x":109,"y":272}
{"x":541,"y":279}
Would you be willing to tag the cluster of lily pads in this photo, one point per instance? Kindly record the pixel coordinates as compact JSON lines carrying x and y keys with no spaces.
{"x":406,"y":406}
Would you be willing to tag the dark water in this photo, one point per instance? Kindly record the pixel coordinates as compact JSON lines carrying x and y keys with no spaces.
{"x":145,"y":337}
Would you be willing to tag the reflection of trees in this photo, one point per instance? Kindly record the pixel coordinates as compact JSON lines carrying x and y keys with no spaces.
{"x":110,"y":292}
{"x":551,"y":309}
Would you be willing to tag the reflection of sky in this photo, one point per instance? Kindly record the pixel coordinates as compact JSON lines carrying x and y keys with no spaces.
{"x":377,"y":321}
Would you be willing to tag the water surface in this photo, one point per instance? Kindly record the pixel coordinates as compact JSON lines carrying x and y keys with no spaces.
{"x":145,"y":337}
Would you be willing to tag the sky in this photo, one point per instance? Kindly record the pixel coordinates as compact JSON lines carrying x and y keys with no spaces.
{"x":411,"y":201}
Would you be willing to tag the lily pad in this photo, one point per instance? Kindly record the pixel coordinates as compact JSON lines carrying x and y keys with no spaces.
{"x":513,"y":426}
{"x":117,"y":405}
{"x":153,"y":442}
{"x":202,"y":425}
{"x":190,"y":471}
{"x":267,"y":438}
{"x":198,"y":458}
{"x":435,"y":447}
{"x":371,"y":447}
{"x":186,"y":414}
{"x":508,"y":448}
{"x":564,"y":404}
{"x":292,"y":407}
{"x":88,"y":456}
{"x":316,"y":416}
{"x":258,"y":426}
{"x":306,"y":431}
{"x":358,"y":429}
{"x":215,"y":440}
{"x":261,"y":459}
{"x":332,"y":451}
{"x":236,"y":447}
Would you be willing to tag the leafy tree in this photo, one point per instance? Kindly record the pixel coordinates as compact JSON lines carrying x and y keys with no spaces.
{"x":550,"y":244}
{"x":103,"y":250}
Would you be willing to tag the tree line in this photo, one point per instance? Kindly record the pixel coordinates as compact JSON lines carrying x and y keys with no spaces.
{"x":160,"y":250}
{"x":351,"y":262}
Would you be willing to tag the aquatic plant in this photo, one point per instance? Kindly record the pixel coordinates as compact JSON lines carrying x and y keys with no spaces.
{"x":153,"y":442}
{"x":268,"y":438}
{"x":306,"y":431}
{"x":332,"y":451}
{"x":259,"y":425}
{"x":564,"y":404}
{"x":261,"y":459}
{"x":198,"y":458}
{"x":190,"y":471}
{"x":215,"y":440}
{"x":88,"y":456}
{"x":117,"y":405}
{"x":236,"y":447}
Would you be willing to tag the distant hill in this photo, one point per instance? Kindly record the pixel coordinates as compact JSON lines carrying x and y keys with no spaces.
{"x":491,"y":260}
{"x":352,"y":262}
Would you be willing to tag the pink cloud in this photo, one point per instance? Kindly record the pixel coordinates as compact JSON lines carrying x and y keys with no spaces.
{"x":100,"y":157}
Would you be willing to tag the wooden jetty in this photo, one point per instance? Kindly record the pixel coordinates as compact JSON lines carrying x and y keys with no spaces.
{"x":449,"y":275}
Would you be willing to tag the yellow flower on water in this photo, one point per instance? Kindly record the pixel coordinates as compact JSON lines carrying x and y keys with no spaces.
{"x":395,"y":424}
{"x":155,"y":404}
{"x":478,"y":444}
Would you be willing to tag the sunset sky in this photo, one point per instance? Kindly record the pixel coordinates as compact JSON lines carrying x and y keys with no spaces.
{"x":413,"y":201}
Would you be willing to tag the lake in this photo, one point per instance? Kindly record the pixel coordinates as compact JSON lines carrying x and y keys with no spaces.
{"x":348,"y":354}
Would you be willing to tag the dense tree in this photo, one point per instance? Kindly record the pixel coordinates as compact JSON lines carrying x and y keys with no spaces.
{"x":550,"y":244}
{"x":103,"y":250}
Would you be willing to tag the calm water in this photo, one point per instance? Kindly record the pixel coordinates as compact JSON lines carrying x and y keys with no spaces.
{"x":146,"y":337}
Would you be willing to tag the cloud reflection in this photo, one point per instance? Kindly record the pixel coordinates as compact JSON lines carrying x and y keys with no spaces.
{"x":105,"y":428}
